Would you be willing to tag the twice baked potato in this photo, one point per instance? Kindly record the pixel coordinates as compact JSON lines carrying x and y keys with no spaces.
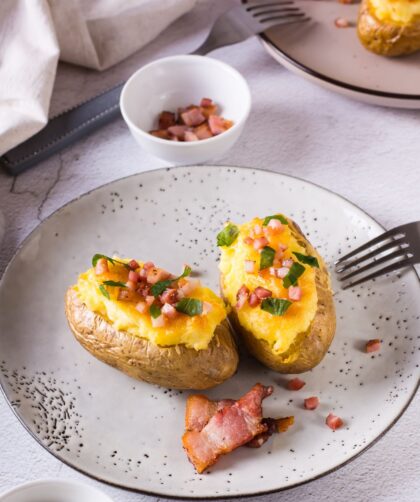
{"x":166,"y":330}
{"x":279,"y":291}
{"x":390,"y":27}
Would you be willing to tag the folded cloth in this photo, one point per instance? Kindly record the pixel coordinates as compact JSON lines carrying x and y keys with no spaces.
{"x":35,"y":34}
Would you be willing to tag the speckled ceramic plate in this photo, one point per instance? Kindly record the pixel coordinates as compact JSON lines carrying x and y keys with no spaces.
{"x":128,"y":433}
{"x":334,"y":58}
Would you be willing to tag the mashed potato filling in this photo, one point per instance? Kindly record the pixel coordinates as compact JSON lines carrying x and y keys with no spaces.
{"x":398,"y":11}
{"x":194,"y":332}
{"x":279,"y":332}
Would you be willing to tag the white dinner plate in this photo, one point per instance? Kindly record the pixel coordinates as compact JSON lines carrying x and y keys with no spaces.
{"x":334,"y":57}
{"x":128,"y":433}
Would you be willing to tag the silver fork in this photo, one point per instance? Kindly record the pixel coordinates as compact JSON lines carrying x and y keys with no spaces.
{"x":406,"y":240}
{"x":249,"y":19}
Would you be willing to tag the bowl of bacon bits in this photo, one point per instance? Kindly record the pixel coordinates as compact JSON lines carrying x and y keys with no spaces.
{"x":186,"y":109}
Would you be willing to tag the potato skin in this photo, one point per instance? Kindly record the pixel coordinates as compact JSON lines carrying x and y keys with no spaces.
{"x":386,"y":37}
{"x":310,"y":346}
{"x":176,"y":367}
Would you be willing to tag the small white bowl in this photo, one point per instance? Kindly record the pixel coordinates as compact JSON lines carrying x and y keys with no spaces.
{"x":177,"y":81}
{"x":54,"y":491}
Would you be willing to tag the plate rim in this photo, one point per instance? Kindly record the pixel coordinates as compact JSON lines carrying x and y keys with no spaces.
{"x":191,"y":497}
{"x":337,"y":83}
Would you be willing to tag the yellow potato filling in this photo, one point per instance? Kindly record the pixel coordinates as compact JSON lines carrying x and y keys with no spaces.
{"x":398,"y":11}
{"x":194,"y":332}
{"x":279,"y":331}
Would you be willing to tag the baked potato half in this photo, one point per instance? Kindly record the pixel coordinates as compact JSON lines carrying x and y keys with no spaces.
{"x":165,"y":330}
{"x":279,"y":292}
{"x":390,"y":27}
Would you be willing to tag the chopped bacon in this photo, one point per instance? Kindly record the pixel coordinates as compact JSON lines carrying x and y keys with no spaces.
{"x":200,"y":409}
{"x":160,"y":133}
{"x":190,"y":136}
{"x":155,"y":275}
{"x":287,"y":263}
{"x":131,"y":285}
{"x":170,"y":296}
{"x":373,"y":345}
{"x":295,"y":384}
{"x":166,"y":119}
{"x":262,"y":293}
{"x":260,"y":243}
{"x":124,"y":295}
{"x":193,"y":117}
{"x":207,"y":308}
{"x":275,"y":225}
{"x":218,"y":124}
{"x":101,"y":266}
{"x":203,"y":131}
{"x":169,"y":311}
{"x":250,"y":266}
{"x":143,"y":289}
{"x":249,"y":240}
{"x":283,"y":424}
{"x":148,"y":264}
{"x":311,"y":403}
{"x":333,"y":421}
{"x":279,"y":272}
{"x":208,"y":110}
{"x":254,"y":301}
{"x":230,"y":427}
{"x":342,"y":22}
{"x":158,"y":322}
{"x":178,"y":131}
{"x":295,"y":293}
{"x":149,"y":300}
{"x":206,"y":102}
{"x":142,"y":307}
{"x":133,"y":264}
{"x":273,"y":425}
{"x":257,"y":230}
{"x":188,"y":287}
{"x":133,"y":276}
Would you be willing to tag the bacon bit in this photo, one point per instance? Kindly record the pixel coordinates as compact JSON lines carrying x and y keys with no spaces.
{"x":342,"y":22}
{"x":155,"y":275}
{"x":161,"y":133}
{"x":209,"y":110}
{"x":279,"y":254}
{"x":262,"y":293}
{"x":142,"y":307}
{"x":346,"y":2}
{"x":207,"y":308}
{"x":133,"y":276}
{"x":203,"y":131}
{"x":189,"y":286}
{"x":190,"y":136}
{"x":124,"y":295}
{"x":283,"y":424}
{"x":101,"y":266}
{"x":275,"y":225}
{"x":166,"y":119}
{"x":250,"y":266}
{"x":158,"y":322}
{"x":257,"y":230}
{"x":373,"y":345}
{"x":170,"y":296}
{"x":295,"y":293}
{"x":287,"y":263}
{"x":228,"y":428}
{"x":206,"y":102}
{"x":249,"y":241}
{"x":178,"y":131}
{"x":333,"y":421}
{"x":149,"y":300}
{"x":295,"y":384}
{"x":133,"y":264}
{"x":148,"y":264}
{"x":254,"y":301}
{"x":193,"y":117}
{"x":242,"y":296}
{"x":169,"y":311}
{"x":311,"y":403}
{"x":131,"y":285}
{"x":281,"y":272}
{"x":218,"y":124}
{"x":260,"y":243}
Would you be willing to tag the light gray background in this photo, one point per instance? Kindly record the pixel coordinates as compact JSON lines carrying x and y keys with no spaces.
{"x":368,"y":154}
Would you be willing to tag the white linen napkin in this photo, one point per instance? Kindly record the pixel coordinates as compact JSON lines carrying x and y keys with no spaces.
{"x":35,"y":34}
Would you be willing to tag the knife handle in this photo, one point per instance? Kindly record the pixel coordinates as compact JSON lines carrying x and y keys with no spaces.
{"x":63,"y":130}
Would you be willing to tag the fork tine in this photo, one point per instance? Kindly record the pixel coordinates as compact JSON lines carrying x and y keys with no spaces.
{"x":396,"y":254}
{"x":390,"y":268}
{"x":367,"y":245}
{"x":269,"y":4}
{"x":340,"y":268}
{"x":286,"y":18}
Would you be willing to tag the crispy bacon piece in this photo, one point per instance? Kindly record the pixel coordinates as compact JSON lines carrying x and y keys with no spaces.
{"x":274,"y":425}
{"x":333,"y":421}
{"x":166,"y":119}
{"x":373,"y":345}
{"x":228,"y":428}
{"x":295,"y":384}
{"x":311,"y":403}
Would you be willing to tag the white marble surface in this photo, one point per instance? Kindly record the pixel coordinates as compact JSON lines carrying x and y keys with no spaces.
{"x":367,"y":154}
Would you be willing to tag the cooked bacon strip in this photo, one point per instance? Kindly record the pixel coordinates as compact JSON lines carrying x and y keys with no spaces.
{"x":230,"y":427}
{"x":273,"y":425}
